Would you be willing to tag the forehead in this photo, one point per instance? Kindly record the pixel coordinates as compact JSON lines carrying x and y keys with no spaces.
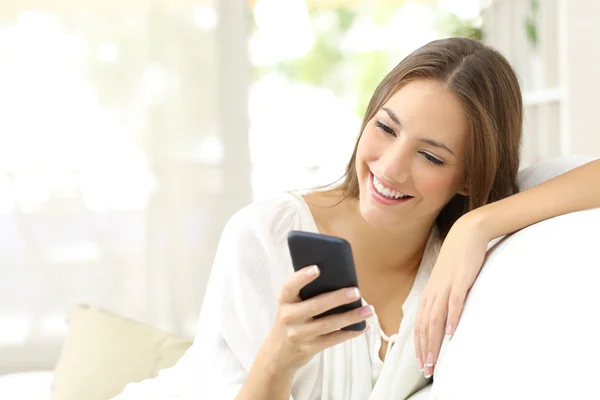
{"x":428,"y":109}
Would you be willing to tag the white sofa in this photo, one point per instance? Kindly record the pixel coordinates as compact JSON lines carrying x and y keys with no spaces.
{"x":531,"y":324}
{"x":33,"y":385}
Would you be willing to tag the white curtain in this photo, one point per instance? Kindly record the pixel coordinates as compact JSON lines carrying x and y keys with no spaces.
{"x":123,"y":150}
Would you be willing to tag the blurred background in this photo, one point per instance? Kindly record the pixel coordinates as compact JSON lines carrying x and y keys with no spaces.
{"x":131,"y":130}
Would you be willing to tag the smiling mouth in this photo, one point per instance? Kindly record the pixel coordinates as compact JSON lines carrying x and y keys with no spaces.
{"x":386,"y":192}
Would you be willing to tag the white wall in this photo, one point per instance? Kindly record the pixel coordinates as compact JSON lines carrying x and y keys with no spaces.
{"x":557,"y":75}
{"x":582,"y":64}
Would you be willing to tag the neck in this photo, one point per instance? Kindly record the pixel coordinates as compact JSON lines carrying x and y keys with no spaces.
{"x":391,"y":250}
{"x":383,"y":250}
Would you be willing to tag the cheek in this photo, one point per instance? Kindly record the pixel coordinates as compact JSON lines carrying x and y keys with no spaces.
{"x":369,"y":146}
{"x":436,"y":183}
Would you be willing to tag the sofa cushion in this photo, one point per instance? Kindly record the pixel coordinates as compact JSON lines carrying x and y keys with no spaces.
{"x":530,"y":326}
{"x":103,"y":352}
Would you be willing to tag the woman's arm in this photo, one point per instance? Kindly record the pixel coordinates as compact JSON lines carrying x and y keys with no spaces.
{"x":575,"y":190}
{"x":265,"y":382}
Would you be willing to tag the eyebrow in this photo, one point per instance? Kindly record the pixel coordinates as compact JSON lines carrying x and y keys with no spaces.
{"x":428,"y":141}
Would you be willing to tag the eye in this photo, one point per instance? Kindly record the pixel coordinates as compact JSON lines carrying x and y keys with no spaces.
{"x":432,"y":159}
{"x":386,"y":129}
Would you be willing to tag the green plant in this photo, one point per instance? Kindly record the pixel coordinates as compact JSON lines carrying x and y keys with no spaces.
{"x":531,"y":23}
{"x":453,"y":25}
{"x":324,"y":65}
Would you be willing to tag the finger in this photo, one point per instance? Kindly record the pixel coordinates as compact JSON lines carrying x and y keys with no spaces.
{"x":290,"y":292}
{"x":335,"y":322}
{"x":437,"y":322}
{"x":456,"y":304}
{"x":424,"y":330}
{"x":324,"y":302}
{"x":331,"y":339}
{"x":417,"y":334}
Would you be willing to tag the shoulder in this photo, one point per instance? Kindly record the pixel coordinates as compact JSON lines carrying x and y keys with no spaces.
{"x":549,"y":168}
{"x":253,"y":256}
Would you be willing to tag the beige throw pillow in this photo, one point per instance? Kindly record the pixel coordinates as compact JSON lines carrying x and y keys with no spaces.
{"x":103,"y":352}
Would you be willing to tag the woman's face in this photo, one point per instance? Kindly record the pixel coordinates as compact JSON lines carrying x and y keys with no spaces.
{"x":410,"y":155}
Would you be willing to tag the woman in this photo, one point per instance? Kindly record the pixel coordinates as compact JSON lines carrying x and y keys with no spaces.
{"x":433,"y":179}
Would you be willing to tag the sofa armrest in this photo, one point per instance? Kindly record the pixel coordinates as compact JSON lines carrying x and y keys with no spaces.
{"x":530,"y":325}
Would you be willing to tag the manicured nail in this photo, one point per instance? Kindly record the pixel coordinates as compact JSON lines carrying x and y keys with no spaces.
{"x":367,"y":311}
{"x":449,"y":331}
{"x":427,"y":374}
{"x":429,"y":360}
{"x":312,"y":271}
{"x":420,"y":364}
{"x":352,"y":293}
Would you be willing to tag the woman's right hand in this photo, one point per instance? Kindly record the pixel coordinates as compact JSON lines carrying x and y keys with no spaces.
{"x":296,"y":337}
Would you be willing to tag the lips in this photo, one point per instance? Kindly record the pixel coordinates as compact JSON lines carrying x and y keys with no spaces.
{"x":382,"y":198}
{"x":386,"y":190}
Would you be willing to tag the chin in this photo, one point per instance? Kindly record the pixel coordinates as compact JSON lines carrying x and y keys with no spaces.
{"x":375,"y":215}
{"x":378,"y":222}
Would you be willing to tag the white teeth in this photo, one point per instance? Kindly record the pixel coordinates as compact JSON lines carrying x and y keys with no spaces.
{"x":385,"y":191}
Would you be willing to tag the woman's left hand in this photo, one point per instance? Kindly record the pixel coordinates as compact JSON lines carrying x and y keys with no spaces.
{"x":455,"y":271}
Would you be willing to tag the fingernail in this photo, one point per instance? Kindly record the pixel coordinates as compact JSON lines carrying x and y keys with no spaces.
{"x":420,"y":364}
{"x":449,"y":331}
{"x":427,"y":372}
{"x":312,"y":271}
{"x":429,"y":360}
{"x":367,"y":311}
{"x":352,"y":293}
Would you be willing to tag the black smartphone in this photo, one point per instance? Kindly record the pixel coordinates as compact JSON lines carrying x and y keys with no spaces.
{"x":333,"y":256}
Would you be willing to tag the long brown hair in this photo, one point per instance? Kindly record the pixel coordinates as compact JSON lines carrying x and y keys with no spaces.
{"x":486,"y":85}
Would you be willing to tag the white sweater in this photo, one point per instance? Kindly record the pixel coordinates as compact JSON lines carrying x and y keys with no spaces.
{"x":251,"y":265}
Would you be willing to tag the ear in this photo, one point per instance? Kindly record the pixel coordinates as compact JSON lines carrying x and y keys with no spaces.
{"x":464,"y":190}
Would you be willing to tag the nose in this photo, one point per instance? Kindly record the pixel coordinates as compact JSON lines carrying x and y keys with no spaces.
{"x":397,"y":163}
